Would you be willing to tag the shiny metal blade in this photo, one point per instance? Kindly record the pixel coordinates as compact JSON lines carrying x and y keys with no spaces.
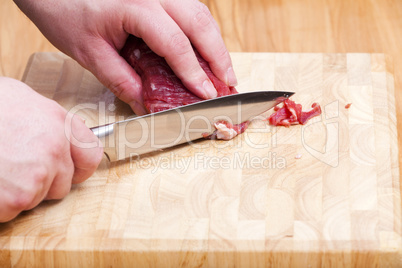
{"x":168,"y":128}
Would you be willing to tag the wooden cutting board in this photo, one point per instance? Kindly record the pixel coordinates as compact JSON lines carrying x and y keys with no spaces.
{"x":323,"y":194}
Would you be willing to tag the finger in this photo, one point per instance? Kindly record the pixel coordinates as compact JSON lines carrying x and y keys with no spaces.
{"x":197,"y":23}
{"x":61,"y":184}
{"x":20,"y":197}
{"x":6,"y":213}
{"x":116,"y":74}
{"x":86,"y":149}
{"x":166,"y":39}
{"x":7,"y":210}
{"x":12,"y":201}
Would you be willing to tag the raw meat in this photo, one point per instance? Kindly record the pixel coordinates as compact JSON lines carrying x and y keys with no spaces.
{"x":291,"y":114}
{"x":347,"y":106}
{"x":162,"y":89}
{"x":226,"y":131}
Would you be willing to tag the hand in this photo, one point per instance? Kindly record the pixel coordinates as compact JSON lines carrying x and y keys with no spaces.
{"x":43,"y":149}
{"x":93,"y":32}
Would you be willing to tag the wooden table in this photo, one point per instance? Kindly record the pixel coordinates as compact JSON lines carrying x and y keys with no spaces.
{"x":255,"y":26}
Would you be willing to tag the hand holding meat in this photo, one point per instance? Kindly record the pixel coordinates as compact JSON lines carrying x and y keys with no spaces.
{"x":93,"y":32}
{"x":43,"y":149}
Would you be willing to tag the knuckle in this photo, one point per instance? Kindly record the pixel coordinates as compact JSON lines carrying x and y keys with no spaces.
{"x":113,"y":88}
{"x":202,"y":18}
{"x":117,"y":88}
{"x":62,"y":193}
{"x":58,"y":113}
{"x":39,"y":177}
{"x":57,"y":149}
{"x":24,"y":196}
{"x":220,"y":58}
{"x":59,"y":194}
{"x":222,"y":54}
{"x":20,"y":202}
{"x":120,"y":88}
{"x":180,"y":43}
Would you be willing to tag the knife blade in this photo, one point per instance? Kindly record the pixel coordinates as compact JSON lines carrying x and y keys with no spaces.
{"x":183,"y":124}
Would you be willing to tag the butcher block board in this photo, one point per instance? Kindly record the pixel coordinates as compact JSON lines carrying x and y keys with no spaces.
{"x":323,"y":194}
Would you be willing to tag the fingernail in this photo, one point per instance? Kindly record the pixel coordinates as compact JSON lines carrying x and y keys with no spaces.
{"x":209,"y":89}
{"x":231,"y":79}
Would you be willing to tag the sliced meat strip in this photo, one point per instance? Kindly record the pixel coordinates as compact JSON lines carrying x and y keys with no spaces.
{"x":291,"y":114}
{"x":226,"y":131}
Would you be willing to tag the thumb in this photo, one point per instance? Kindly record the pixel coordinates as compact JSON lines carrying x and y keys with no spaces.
{"x":85,"y":148}
{"x":116,"y":74}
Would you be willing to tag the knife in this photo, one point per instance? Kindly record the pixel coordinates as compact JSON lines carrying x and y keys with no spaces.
{"x":153,"y":132}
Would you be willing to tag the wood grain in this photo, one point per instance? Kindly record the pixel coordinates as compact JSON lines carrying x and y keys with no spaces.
{"x":245,"y":202}
{"x":323,"y":26}
{"x":326,"y":214}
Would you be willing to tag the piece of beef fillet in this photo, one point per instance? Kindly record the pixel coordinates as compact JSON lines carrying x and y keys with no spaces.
{"x":162,"y":89}
{"x":291,"y":114}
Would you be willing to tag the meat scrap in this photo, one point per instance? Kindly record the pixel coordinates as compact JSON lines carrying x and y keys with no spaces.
{"x":291,"y":114}
{"x":347,"y":106}
{"x":226,"y":131}
{"x":163,"y":90}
